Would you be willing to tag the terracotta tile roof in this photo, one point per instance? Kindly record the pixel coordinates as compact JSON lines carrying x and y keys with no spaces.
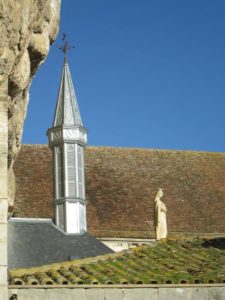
{"x":198,"y":261}
{"x":121,"y":184}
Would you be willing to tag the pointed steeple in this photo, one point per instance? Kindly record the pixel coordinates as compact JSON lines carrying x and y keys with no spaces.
{"x":67,"y":110}
{"x":67,"y":138}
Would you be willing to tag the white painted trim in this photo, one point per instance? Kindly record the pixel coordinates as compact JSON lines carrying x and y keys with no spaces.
{"x":76,"y":163}
{"x":126,"y":239}
{"x":37,"y":220}
{"x":83,"y":178}
{"x":65,"y":173}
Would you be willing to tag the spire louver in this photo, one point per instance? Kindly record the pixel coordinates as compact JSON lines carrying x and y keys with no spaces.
{"x":67,"y":111}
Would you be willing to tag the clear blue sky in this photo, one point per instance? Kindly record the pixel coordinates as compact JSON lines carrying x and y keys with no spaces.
{"x":147,"y":73}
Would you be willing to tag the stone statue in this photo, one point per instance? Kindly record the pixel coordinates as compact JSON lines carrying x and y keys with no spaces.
{"x":160,"y":216}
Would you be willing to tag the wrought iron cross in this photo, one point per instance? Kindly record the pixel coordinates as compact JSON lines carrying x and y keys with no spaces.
{"x":65,"y":47}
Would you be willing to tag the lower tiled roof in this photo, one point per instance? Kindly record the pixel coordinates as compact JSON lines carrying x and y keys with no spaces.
{"x":33,"y":243}
{"x":198,"y":261}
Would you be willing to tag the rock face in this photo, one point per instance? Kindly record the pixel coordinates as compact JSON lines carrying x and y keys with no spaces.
{"x":27,"y":28}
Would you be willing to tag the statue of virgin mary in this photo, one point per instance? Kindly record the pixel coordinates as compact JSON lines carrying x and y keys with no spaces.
{"x":160,"y":216}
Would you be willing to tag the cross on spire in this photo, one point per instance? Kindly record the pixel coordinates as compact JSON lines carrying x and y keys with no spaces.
{"x":65,"y":47}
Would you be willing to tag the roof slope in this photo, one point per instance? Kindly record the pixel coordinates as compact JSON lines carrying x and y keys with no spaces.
{"x":34,"y":243}
{"x":199,"y":261}
{"x":67,"y":110}
{"x":121,"y":185}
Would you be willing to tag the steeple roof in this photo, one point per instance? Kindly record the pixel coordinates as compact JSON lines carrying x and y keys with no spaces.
{"x":67,"y":110}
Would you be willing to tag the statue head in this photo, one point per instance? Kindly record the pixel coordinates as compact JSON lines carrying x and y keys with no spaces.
{"x":160,"y":192}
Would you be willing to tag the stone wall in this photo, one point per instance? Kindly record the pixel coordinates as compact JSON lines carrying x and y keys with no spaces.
{"x":3,"y":188}
{"x":121,"y":185}
{"x":116,"y":293}
{"x":27,"y":28}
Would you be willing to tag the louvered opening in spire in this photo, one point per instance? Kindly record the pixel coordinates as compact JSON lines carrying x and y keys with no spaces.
{"x":67,"y":110}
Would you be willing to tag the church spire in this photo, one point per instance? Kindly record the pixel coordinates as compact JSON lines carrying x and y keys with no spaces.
{"x":67,"y":110}
{"x":67,"y":139}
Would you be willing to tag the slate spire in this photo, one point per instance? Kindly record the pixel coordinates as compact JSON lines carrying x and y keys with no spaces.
{"x":67,"y":138}
{"x":67,"y":110}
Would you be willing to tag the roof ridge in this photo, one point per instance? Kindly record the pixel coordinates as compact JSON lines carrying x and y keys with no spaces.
{"x":139,"y":149}
{"x":76,"y":262}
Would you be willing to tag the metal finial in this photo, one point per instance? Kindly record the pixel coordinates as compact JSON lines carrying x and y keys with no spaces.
{"x":65,"y":47}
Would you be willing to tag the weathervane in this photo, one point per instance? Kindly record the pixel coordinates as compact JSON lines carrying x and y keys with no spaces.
{"x":65,"y":47}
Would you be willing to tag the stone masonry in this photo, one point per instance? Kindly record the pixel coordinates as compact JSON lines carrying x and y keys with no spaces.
{"x":90,"y":292}
{"x":3,"y":188}
{"x":27,"y":29}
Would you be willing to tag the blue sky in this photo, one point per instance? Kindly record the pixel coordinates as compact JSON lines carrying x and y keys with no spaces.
{"x":146,"y":73}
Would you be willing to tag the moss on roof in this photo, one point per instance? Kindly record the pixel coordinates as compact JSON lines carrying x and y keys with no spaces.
{"x":197,"y":261}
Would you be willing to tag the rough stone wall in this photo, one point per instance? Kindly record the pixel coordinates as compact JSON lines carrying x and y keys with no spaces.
{"x":121,"y":186}
{"x":27,"y":28}
{"x":3,"y":189}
